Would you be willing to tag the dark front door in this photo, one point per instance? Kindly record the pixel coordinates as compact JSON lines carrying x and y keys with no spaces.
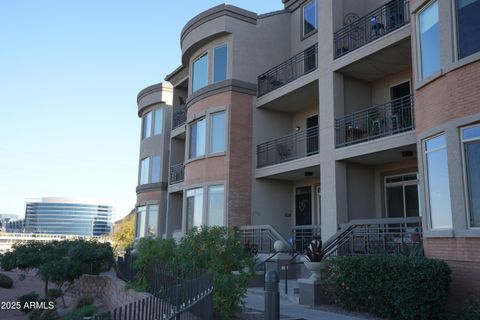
{"x":401,"y":117}
{"x":312,"y":135}
{"x":303,"y":206}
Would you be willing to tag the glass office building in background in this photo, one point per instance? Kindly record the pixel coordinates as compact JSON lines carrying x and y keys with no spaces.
{"x":68,"y":216}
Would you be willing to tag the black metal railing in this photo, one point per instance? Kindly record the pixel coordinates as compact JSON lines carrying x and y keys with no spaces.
{"x":374,"y":25}
{"x":174,"y":293}
{"x":376,"y":236}
{"x":261,"y":237}
{"x":294,"y":146}
{"x":179,"y":116}
{"x":302,"y":236}
{"x":289,"y":70}
{"x":391,"y":118}
{"x":177,"y":173}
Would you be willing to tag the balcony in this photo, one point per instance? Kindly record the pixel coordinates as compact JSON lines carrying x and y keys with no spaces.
{"x":177,"y":173}
{"x":288,"y":71}
{"x":382,"y":21}
{"x":294,"y":146}
{"x":391,"y":118}
{"x":179,"y":116}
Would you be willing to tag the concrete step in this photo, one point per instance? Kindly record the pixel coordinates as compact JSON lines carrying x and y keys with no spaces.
{"x":292,"y":297}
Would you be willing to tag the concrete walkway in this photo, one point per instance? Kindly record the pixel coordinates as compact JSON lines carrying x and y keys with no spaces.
{"x":292,"y":310}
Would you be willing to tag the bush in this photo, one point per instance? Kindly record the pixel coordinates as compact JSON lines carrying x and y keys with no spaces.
{"x":83,"y":301}
{"x":54,"y":294}
{"x":27,"y":298}
{"x":79,"y":314}
{"x":468,"y":310}
{"x":393,"y":287}
{"x":5,"y":281}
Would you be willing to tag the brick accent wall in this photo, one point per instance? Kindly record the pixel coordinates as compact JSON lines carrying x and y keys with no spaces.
{"x":463,"y":257}
{"x":107,"y":288}
{"x":452,"y":96}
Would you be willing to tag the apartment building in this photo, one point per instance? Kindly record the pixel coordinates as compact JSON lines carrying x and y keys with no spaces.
{"x":357,"y":122}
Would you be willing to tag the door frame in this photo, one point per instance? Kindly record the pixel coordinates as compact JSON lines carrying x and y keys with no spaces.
{"x":403,"y":184}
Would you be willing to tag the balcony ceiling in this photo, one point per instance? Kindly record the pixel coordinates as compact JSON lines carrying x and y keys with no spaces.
{"x":299,"y":174}
{"x":295,"y":100}
{"x":387,"y":156}
{"x":388,"y":61}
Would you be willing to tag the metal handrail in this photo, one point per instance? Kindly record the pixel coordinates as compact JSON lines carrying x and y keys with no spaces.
{"x":179,"y":116}
{"x":388,"y":235}
{"x":303,"y":235}
{"x":287,"y":71}
{"x":387,"y":119}
{"x":177,"y":173}
{"x":261,"y":236}
{"x":379,"y":22}
{"x":296,"y":145}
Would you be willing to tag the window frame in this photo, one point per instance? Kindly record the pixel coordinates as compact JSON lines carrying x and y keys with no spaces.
{"x":145,"y":134}
{"x":187,"y":222}
{"x":140,"y":180}
{"x":209,"y":133}
{"x":225,"y":44}
{"x":420,"y":75}
{"x":200,"y":56}
{"x":456,"y":38}
{"x":426,"y":180}
{"x":150,"y":170}
{"x":147,"y":220}
{"x":303,"y":34}
{"x":207,"y":195}
{"x":403,"y":184}
{"x":465,"y":176}
{"x":190,"y":125}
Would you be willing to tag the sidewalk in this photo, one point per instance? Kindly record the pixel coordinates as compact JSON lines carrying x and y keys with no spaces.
{"x":255,"y":301}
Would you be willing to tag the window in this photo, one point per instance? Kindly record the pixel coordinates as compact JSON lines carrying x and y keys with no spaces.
{"x":158,"y":121}
{"x":217,"y":132}
{"x":200,"y":73}
{"x":309,"y":17}
{"x":144,"y":170}
{"x":194,"y":208}
{"x":147,"y":125}
{"x":429,"y":40}
{"x":401,"y":194}
{"x":438,"y":193}
{"x":141,"y":221}
{"x":197,"y":139}
{"x":220,"y":63}
{"x":152,"y":220}
{"x":471,"y":149}
{"x":468,"y":27}
{"x":152,"y":126}
{"x":155,"y":175}
{"x":216,"y":205}
{"x":150,"y":170}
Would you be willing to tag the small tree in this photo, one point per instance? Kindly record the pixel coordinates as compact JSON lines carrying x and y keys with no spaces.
{"x":124,"y":233}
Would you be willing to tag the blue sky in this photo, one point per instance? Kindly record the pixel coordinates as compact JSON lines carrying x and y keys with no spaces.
{"x":69,"y":75}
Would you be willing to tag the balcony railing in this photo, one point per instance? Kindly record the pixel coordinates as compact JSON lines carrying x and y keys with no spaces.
{"x":179,"y":116}
{"x":289,"y":70}
{"x":294,"y":146}
{"x":394,"y":117}
{"x":177,"y":173}
{"x":374,"y":25}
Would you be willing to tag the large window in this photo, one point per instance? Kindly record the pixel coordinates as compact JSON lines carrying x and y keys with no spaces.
{"x":216,"y":205}
{"x":200,"y":73}
{"x":153,"y":126}
{"x":141,"y":221}
{"x":197,"y":139}
{"x":471,"y":147}
{"x":147,"y":221}
{"x":468,"y":27}
{"x":429,"y":40}
{"x":194,"y":208}
{"x":401,"y":193}
{"x":217,"y":132}
{"x":149,"y":170}
{"x":309,"y":17}
{"x":220,"y":63}
{"x":438,"y":188}
{"x":152,"y":222}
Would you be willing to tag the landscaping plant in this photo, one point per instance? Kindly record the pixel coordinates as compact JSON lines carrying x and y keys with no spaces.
{"x":5,"y":281}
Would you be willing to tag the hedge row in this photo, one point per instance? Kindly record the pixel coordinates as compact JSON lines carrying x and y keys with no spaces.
{"x":392,"y":287}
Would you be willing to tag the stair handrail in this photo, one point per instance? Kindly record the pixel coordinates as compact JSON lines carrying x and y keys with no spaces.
{"x":273,"y":234}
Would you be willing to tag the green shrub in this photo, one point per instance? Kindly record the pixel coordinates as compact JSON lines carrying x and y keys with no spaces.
{"x":27,"y":298}
{"x":83,"y":301}
{"x":49,"y":314}
{"x":54,"y":293}
{"x":78,"y":314}
{"x":467,"y":310}
{"x":35,"y":314}
{"x":5,"y":281}
{"x":392,"y":287}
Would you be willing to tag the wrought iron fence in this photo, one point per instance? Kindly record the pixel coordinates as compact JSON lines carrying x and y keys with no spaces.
{"x":179,"y":116}
{"x":289,"y":70}
{"x":302,"y":236}
{"x":294,"y":146}
{"x":374,"y":236}
{"x":177,"y":173}
{"x":175,"y":294}
{"x":384,"y":120}
{"x":374,"y":25}
{"x":261,"y":237}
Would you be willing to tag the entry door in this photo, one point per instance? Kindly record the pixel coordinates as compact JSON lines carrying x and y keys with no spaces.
{"x":401,"y":117}
{"x":401,"y":193}
{"x":400,"y":90}
{"x":303,"y":206}
{"x":312,"y":135}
